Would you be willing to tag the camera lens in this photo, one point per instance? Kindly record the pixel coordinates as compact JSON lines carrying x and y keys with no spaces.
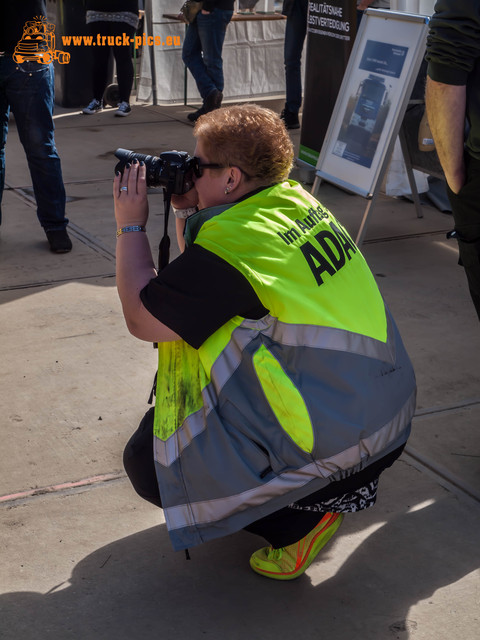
{"x":172,"y":170}
{"x":153,"y":164}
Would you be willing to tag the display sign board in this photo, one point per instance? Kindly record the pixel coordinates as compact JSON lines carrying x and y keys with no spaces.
{"x":368,"y":113}
{"x":331,"y":29}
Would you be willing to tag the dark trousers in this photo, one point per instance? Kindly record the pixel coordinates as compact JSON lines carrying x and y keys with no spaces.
{"x":113,"y":31}
{"x":202,"y":50}
{"x":466,"y":213}
{"x":281,"y":528}
{"x":295,"y":32}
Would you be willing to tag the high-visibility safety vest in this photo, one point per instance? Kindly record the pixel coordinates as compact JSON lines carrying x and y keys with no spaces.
{"x":268,"y":411}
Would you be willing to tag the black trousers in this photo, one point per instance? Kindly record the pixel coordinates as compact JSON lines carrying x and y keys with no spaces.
{"x":114,"y":34}
{"x":281,"y":528}
{"x":466,"y":213}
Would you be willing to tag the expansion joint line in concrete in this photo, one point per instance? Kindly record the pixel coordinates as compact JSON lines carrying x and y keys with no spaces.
{"x":76,"y":231}
{"x":440,"y":474}
{"x":64,"y":487}
{"x":464,"y":404}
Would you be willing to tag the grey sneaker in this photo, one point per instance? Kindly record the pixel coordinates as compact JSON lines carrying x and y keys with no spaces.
{"x":123,"y":109}
{"x":94,"y":107}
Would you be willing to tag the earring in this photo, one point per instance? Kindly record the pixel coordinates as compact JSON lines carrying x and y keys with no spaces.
{"x":227,"y":190}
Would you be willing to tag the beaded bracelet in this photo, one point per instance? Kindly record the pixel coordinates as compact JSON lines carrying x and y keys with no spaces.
{"x":135,"y":227}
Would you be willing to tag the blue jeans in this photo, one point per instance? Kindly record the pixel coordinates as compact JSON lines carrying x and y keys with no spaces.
{"x":295,"y":32}
{"x":28,"y":89}
{"x":206,"y":36}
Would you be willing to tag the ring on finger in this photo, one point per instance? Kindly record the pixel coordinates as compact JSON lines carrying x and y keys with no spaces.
{"x":123,"y":188}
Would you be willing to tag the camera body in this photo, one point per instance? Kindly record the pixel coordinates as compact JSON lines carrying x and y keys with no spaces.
{"x":172,"y":170}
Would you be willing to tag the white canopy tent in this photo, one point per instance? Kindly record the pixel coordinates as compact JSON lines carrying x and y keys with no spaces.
{"x":252,"y":56}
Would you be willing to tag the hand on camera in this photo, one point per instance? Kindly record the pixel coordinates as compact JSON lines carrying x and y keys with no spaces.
{"x":130,"y":195}
{"x":185,"y":201}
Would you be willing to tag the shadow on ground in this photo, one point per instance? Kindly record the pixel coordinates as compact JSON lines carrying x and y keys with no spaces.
{"x":137,"y":587}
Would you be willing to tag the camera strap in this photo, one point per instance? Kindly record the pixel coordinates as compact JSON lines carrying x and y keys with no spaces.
{"x":164,"y":246}
{"x":163,"y":257}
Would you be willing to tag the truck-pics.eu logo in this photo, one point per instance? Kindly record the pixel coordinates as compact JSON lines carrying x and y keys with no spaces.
{"x":38,"y":43}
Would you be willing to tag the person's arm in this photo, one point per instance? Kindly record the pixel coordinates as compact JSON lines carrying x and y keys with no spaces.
{"x":445,"y":104}
{"x":134,"y":263}
{"x":183,"y":206}
{"x":364,"y":4}
{"x":180,"y":229}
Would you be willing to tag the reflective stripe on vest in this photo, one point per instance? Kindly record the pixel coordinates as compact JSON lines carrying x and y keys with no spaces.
{"x":211,"y":511}
{"x":174,"y":436}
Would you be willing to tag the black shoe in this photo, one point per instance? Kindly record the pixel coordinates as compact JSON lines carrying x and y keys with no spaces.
{"x":59,"y":241}
{"x":291,"y":119}
{"x":213,"y":100}
{"x":195,"y":115}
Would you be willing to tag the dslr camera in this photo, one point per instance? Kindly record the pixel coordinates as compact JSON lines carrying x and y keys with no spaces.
{"x":172,"y":170}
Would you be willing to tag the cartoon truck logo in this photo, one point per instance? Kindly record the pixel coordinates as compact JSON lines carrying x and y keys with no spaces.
{"x":38,"y":44}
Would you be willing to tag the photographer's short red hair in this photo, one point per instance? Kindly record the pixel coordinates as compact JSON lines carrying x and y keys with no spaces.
{"x":249,"y":137}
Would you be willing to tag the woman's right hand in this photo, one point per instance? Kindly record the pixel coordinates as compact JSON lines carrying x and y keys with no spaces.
{"x":186,"y":200}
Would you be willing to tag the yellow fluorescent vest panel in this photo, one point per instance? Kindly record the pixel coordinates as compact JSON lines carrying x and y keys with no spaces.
{"x":284,"y":399}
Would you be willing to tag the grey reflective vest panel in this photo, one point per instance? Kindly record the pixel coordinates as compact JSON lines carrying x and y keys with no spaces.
{"x":232,"y":462}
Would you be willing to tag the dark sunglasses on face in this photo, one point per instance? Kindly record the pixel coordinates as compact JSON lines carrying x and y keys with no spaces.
{"x":198,"y":167}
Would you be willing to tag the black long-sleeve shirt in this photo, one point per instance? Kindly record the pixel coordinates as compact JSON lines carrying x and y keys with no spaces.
{"x":225,"y":5}
{"x":13,"y":16}
{"x":453,"y":56}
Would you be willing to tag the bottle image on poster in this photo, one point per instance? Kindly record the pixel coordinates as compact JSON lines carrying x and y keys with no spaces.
{"x":367,"y":109}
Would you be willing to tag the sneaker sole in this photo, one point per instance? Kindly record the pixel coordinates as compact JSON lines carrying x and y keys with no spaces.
{"x":317,"y":543}
{"x":123,"y":115}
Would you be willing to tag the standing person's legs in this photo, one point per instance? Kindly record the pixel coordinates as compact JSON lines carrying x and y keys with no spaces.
{"x":123,"y":58}
{"x":466,"y":213}
{"x":101,"y":56}
{"x":212,"y":29}
{"x":30,"y":92}
{"x":295,"y":32}
{"x":4,"y":113}
{"x":202,"y":53}
{"x":193,"y":59}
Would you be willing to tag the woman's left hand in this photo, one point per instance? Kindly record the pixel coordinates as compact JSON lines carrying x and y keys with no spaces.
{"x":130,"y":196}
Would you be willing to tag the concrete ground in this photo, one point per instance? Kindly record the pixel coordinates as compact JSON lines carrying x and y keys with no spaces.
{"x":83,"y":557}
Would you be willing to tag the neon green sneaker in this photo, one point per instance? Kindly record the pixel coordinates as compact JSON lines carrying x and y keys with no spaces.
{"x":290,"y":562}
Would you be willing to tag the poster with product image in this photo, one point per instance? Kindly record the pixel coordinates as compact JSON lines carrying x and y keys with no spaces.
{"x":371,"y":103}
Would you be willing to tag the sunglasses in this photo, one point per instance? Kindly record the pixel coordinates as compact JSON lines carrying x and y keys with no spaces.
{"x":198,"y":167}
